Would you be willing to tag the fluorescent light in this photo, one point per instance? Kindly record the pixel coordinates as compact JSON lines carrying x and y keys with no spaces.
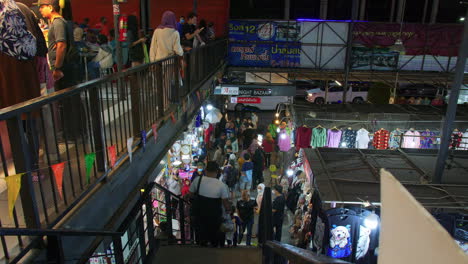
{"x":337,"y":82}
{"x":209,"y":107}
{"x":462,"y":19}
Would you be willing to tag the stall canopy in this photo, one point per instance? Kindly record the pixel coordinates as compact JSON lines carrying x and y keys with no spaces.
{"x":353,"y":175}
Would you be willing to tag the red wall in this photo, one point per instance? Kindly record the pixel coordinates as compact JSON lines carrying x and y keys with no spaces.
{"x":216,"y":11}
{"x":98,"y":8}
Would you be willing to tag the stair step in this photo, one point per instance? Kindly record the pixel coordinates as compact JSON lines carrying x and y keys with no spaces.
{"x":204,"y":255}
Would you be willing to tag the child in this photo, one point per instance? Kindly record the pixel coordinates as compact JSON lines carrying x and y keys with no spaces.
{"x":185,"y":187}
{"x":274,"y":175}
{"x":232,"y":237}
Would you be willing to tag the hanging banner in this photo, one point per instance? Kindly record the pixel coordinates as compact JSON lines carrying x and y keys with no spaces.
{"x":143,"y":139}
{"x":58,"y":174}
{"x":283,"y":55}
{"x":418,"y":39}
{"x":154,"y":127}
{"x":13,"y":185}
{"x":130,"y":147}
{"x":89,"y":163}
{"x":374,"y":59}
{"x":112,"y":155}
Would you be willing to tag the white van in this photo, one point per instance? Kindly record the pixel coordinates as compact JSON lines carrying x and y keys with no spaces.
{"x":356,"y":94}
{"x":258,"y":102}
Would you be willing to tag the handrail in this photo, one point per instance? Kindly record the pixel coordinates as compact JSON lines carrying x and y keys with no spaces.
{"x":300,"y":256}
{"x":40,"y":101}
{"x":7,"y":231}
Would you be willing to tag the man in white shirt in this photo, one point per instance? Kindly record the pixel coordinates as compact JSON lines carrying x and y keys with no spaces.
{"x":212,"y":195}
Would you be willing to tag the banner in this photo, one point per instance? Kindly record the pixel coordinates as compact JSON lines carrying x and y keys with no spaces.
{"x":130,"y":148}
{"x":374,"y":59}
{"x":89,"y":163}
{"x":154,"y":127}
{"x":58,"y":174}
{"x":265,"y":55}
{"x":264,"y":30}
{"x":13,"y":185}
{"x":112,"y":155}
{"x":418,"y":39}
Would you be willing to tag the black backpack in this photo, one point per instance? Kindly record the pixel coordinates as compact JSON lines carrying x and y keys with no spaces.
{"x":231,"y":177}
{"x":72,"y":55}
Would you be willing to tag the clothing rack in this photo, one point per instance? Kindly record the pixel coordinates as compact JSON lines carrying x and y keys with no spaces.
{"x":373,"y":121}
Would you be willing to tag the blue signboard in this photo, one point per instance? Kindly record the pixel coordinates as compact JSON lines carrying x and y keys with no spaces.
{"x":288,"y":31}
{"x":284,"y":55}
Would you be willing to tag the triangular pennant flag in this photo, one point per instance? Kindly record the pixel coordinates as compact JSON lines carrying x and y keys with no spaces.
{"x":174,"y":120}
{"x":13,"y":185}
{"x":58,"y":173}
{"x":112,"y":155}
{"x":143,"y":139}
{"x":130,"y":147}
{"x":89,"y":163}
{"x":155,"y":132}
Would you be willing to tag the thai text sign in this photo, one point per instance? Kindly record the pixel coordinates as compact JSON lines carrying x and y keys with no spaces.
{"x":265,"y":55}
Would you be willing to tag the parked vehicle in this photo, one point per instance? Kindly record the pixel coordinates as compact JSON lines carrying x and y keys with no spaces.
{"x":302,"y":86}
{"x":420,"y":90}
{"x":462,"y":97}
{"x":357,"y":93}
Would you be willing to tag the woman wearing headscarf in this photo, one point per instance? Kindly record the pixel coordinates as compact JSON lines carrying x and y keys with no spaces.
{"x":166,"y":38}
{"x":260,"y":189}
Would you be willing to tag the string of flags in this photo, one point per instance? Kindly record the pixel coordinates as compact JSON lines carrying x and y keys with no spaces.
{"x":14,"y":181}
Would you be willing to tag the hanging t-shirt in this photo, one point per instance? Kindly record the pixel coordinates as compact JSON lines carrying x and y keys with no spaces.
{"x":456,"y":140}
{"x":284,"y":140}
{"x":333,"y":138}
{"x":411,"y":139}
{"x":381,"y":138}
{"x":319,"y":137}
{"x":362,"y":139}
{"x":348,"y":139}
{"x":464,"y":141}
{"x":344,"y":234}
{"x":303,"y":136}
{"x":395,"y":139}
{"x":427,"y":139}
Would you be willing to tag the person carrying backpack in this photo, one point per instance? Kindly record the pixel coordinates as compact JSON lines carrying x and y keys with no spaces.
{"x":231,"y":175}
{"x":65,"y":64}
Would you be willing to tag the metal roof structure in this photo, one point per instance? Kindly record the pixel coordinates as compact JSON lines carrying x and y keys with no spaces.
{"x":353,"y":175}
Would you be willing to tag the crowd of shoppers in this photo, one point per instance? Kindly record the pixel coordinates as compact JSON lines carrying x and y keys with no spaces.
{"x":227,"y":187}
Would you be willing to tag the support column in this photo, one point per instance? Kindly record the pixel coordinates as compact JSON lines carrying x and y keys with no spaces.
{"x":349,"y":45}
{"x":195,"y":6}
{"x":323,"y":9}
{"x":435,"y":10}
{"x":423,"y":19}
{"x":362,"y":11}
{"x":392,"y":11}
{"x":400,"y":11}
{"x":452,"y":107}
{"x":287,"y":4}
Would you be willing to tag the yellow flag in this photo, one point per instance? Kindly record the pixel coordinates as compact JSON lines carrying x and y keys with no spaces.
{"x":14,"y":186}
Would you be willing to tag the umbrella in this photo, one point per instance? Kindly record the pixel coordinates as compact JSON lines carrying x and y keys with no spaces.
{"x":214,"y":116}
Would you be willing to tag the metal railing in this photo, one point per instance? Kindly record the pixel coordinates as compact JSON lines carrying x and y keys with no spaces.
{"x":82,"y":126}
{"x":134,"y":241}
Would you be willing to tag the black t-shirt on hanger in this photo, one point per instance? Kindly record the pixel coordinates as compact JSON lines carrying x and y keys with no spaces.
{"x":343,"y":236}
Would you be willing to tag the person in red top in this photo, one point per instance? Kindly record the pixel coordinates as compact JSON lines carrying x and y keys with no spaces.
{"x":102,"y":27}
{"x":269,"y":147}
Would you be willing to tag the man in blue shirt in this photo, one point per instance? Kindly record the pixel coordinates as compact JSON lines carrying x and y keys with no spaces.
{"x":246,"y":176}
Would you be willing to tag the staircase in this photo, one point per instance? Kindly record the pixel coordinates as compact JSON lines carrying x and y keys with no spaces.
{"x":202,"y":255}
